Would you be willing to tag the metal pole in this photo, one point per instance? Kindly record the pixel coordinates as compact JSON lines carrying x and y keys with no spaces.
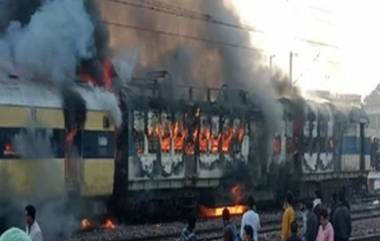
{"x":291,"y":68}
{"x":271,"y":66}
{"x":271,"y":63}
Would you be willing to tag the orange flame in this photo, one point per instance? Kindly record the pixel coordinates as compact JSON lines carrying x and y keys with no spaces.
{"x":204,"y":139}
{"x":237,"y":193}
{"x":190,"y":146}
{"x":85,"y":224}
{"x":166,"y":143}
{"x":8,"y":150}
{"x":107,"y":74}
{"x":226,"y":140}
{"x":218,"y":211}
{"x":215,"y":144}
{"x":179,"y":136}
{"x":108,"y":224}
{"x":240,"y":134}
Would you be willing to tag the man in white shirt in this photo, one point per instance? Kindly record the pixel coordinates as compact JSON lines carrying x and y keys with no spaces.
{"x":250,"y":218}
{"x":32,"y":228}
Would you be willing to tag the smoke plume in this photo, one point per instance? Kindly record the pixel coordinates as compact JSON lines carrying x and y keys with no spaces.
{"x":218,"y":54}
{"x":51,"y":45}
{"x":17,"y":10}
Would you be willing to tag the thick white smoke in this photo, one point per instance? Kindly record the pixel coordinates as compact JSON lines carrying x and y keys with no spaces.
{"x":58,"y":36}
{"x":124,"y":63}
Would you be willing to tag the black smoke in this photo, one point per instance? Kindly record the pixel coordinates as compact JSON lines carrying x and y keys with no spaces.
{"x":74,"y":107}
{"x":17,"y":10}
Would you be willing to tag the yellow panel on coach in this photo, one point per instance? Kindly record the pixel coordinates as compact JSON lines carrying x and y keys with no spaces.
{"x":98,"y":120}
{"x":97,"y":177}
{"x":43,"y":178}
{"x":12,"y":116}
{"x":52,"y":118}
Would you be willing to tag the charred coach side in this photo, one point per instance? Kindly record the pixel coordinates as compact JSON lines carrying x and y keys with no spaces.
{"x":324,"y":144}
{"x":181,"y":149}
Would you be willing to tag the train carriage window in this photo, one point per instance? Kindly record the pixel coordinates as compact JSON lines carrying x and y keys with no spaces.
{"x":98,"y":144}
{"x":57,"y":140}
{"x":41,"y":143}
{"x":6,"y":144}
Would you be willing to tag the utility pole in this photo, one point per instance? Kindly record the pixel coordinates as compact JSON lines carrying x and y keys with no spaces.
{"x":291,"y":55}
{"x":271,"y":64}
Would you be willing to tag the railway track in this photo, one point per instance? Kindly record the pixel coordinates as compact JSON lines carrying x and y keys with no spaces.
{"x":269,"y":226}
{"x":373,"y":237}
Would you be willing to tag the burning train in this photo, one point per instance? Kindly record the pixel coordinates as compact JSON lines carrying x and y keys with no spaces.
{"x":207,"y":142}
{"x":179,"y":150}
{"x":44,"y":153}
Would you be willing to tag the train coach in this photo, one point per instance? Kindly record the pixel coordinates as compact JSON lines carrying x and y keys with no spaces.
{"x":179,"y":147}
{"x":40,"y":158}
{"x":190,"y":146}
{"x":322,"y":146}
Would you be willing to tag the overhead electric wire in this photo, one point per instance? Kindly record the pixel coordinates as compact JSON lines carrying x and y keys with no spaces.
{"x":181,"y":12}
{"x":174,"y":34}
{"x":185,"y":13}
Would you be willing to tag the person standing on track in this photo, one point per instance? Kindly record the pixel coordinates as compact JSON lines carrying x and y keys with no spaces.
{"x":334,"y":205}
{"x":341,"y":220}
{"x":294,"y":229}
{"x":312,"y":224}
{"x":248,"y":233}
{"x":288,"y":217}
{"x":250,"y":217}
{"x":230,"y":232}
{"x":317,"y":202}
{"x":188,"y":232}
{"x":326,"y":231}
{"x":32,"y":228}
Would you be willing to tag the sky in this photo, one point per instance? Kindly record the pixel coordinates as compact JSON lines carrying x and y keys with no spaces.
{"x":348,"y":60}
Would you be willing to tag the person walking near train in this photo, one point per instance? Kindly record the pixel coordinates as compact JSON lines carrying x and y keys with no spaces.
{"x":317,"y":202}
{"x":248,"y":233}
{"x":294,"y":229}
{"x":341,"y":220}
{"x":250,"y":217}
{"x":326,"y":231}
{"x":334,"y":205}
{"x":288,"y":217}
{"x":188,"y":232}
{"x":33,"y":230}
{"x":230,"y":231}
{"x":311,"y":229}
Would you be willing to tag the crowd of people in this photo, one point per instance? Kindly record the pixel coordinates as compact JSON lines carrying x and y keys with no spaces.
{"x":318,"y":224}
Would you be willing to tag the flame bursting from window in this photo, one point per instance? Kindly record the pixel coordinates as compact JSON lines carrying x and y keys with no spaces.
{"x":207,"y":212}
{"x":190,"y":145}
{"x":226,"y":140}
{"x":107,"y":76}
{"x":8,"y":150}
{"x":175,"y":135}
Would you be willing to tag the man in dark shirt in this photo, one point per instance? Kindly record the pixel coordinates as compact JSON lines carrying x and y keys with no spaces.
{"x":294,"y":230}
{"x":341,"y":220}
{"x":312,"y":223}
{"x":229,"y":231}
{"x":188,"y":232}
